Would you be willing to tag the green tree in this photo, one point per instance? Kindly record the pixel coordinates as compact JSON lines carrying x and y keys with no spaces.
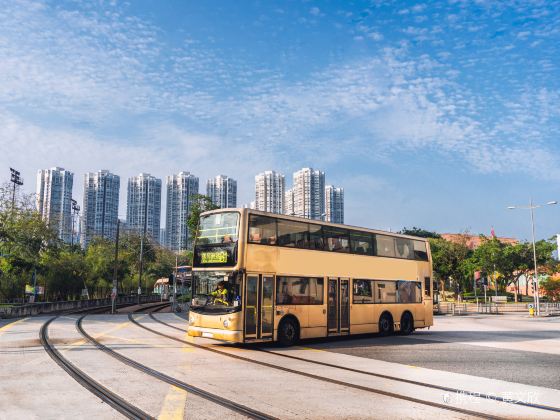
{"x":422,"y":233}
{"x":201,"y":203}
{"x":448,"y":262}
{"x":24,"y":238}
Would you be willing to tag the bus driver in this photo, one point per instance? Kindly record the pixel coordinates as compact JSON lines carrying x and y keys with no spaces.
{"x":220,"y":294}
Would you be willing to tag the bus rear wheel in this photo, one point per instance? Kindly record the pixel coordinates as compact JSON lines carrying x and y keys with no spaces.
{"x":288,"y":332}
{"x":407,"y":324}
{"x":385,"y":324}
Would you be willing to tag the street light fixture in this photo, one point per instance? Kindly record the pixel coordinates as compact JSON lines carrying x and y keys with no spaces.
{"x":531,"y":207}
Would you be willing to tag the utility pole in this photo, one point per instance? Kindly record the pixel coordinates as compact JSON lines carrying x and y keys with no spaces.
{"x":16,"y":180}
{"x":115,"y":272}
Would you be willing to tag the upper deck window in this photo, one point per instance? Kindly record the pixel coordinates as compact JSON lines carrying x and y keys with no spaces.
{"x":420,"y":251}
{"x":272,"y":230}
{"x":293,"y":234}
{"x":385,"y":245}
{"x":336,"y":239}
{"x":262,"y":230}
{"x":404,"y":248}
{"x":361,"y":243}
{"x":218,"y":228}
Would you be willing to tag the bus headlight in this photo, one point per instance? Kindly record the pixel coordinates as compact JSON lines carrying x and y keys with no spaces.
{"x":226,"y":323}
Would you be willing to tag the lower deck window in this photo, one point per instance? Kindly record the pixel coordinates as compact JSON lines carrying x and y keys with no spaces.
{"x":409,"y":291}
{"x":363,"y":291}
{"x":299,"y":290}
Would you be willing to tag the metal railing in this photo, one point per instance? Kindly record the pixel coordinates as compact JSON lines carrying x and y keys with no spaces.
{"x":30,"y":309}
{"x":452,"y":308}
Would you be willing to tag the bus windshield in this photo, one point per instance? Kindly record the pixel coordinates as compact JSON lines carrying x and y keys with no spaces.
{"x":212,"y":289}
{"x":218,"y":228}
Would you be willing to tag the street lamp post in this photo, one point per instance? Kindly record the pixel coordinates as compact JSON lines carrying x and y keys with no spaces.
{"x":532,"y":208}
{"x":16,"y":180}
{"x":76,"y":210}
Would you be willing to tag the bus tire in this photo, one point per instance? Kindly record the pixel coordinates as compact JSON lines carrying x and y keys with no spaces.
{"x":385,"y":324}
{"x":288,"y":332}
{"x":407,"y":324}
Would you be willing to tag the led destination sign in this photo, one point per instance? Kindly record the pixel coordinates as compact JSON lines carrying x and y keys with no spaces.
{"x":214,"y":257}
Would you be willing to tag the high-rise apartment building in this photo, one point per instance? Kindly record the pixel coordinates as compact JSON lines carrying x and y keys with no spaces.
{"x":269,"y":192}
{"x":309,"y":193}
{"x":100,"y":210}
{"x":222,"y":190}
{"x":289,"y":202}
{"x":334,"y":204}
{"x":54,"y":200}
{"x":181,"y":189}
{"x":143,"y":209}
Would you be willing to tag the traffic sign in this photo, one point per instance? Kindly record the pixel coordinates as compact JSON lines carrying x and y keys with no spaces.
{"x":531,"y":306}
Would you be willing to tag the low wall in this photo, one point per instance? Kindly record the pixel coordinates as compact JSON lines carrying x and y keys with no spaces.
{"x":72,"y":305}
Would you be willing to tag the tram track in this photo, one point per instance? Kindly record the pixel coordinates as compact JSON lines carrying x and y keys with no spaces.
{"x":313,"y":376}
{"x":389,"y":377}
{"x":152,"y":308}
{"x":215,"y":398}
{"x":118,"y":403}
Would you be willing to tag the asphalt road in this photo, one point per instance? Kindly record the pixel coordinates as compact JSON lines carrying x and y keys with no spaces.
{"x":460,"y":350}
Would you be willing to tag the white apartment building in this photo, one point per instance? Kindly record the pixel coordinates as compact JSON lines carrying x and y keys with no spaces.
{"x":100,"y":210}
{"x":222,"y":190}
{"x":143,"y":209}
{"x":334,"y":204}
{"x":289,"y":202}
{"x":269,"y":192}
{"x":309,"y":193}
{"x":54,"y":200}
{"x":181,"y":189}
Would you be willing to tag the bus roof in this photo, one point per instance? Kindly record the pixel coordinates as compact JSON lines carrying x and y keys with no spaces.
{"x":317,"y":222}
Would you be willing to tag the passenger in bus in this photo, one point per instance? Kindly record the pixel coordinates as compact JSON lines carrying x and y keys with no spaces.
{"x":226,"y":239}
{"x":220,"y":294}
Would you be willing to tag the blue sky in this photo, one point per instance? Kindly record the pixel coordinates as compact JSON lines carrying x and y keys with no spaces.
{"x":431,"y":114}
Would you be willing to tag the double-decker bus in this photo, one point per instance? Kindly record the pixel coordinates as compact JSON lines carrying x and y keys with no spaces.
{"x":260,"y":276}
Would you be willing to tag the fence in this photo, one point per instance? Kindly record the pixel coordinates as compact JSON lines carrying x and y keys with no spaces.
{"x":451,"y":308}
{"x":55,"y":307}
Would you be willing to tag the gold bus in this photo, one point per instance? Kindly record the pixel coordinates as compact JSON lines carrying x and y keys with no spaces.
{"x":287,"y":278}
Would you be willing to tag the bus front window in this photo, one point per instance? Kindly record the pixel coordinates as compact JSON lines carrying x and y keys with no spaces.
{"x":215,"y":291}
{"x":218,"y":228}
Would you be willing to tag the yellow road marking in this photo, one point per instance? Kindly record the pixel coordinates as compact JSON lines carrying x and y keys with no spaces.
{"x":174,"y":404}
{"x":10,"y":325}
{"x":82,"y":341}
{"x":310,"y":348}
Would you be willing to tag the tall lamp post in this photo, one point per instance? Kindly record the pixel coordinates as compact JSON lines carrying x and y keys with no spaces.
{"x":76,"y":210}
{"x":531,"y":207}
{"x":16,"y":180}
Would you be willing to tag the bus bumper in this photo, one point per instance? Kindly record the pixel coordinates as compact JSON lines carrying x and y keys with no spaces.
{"x":216,"y":334}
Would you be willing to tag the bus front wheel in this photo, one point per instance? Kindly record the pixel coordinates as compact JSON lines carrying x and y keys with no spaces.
{"x":288,"y":332}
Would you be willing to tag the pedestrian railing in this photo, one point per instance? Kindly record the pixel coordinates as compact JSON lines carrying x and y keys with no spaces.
{"x":452,"y":308}
{"x":55,"y":307}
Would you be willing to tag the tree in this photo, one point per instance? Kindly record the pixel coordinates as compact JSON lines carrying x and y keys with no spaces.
{"x":422,"y":233}
{"x":448,"y":261}
{"x":201,"y":203}
{"x":551,"y":288}
{"x":24,"y":239}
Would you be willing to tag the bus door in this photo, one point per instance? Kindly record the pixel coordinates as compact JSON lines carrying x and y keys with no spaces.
{"x":338,"y":306}
{"x":259,"y":307}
